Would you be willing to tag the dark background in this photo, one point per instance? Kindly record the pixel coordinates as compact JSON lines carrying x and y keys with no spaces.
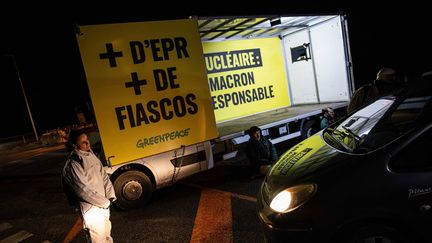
{"x":42,"y":40}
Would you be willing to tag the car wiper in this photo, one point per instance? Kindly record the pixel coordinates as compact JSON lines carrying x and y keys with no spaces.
{"x":356,"y":137}
{"x":338,"y":137}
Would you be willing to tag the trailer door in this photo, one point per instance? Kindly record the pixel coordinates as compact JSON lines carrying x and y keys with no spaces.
{"x":317,"y":64}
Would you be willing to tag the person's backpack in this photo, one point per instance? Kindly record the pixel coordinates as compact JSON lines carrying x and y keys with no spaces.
{"x":67,"y":189}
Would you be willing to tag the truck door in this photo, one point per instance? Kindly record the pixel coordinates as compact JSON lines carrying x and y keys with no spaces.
{"x":316,"y":62}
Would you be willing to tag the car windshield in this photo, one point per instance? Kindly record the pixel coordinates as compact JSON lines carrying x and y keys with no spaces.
{"x":376,"y":124}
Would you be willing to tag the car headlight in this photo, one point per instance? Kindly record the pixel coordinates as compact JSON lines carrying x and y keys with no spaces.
{"x":292,"y":198}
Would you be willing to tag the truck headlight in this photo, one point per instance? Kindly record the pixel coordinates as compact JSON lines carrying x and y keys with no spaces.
{"x":292,"y":198}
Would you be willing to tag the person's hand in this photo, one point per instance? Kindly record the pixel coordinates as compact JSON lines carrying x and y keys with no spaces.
{"x":111,"y":202}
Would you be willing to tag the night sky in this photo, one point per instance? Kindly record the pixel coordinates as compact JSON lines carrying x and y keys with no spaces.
{"x":43,"y":42}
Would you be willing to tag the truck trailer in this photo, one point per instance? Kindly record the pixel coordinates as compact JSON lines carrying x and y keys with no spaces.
{"x":172,"y":96}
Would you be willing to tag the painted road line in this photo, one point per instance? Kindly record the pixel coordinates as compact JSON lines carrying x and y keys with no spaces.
{"x":244,"y":197}
{"x":213,"y":222}
{"x":236,"y":195}
{"x":5,"y":226}
{"x":20,"y":236}
{"x":73,"y":232}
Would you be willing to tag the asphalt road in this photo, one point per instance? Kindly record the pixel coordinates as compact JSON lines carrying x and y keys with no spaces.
{"x":217,"y":205}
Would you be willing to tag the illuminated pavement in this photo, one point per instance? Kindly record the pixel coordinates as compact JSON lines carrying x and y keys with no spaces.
{"x":19,"y":152}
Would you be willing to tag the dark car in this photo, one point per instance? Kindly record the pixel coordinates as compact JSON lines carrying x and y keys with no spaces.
{"x":366,"y":178}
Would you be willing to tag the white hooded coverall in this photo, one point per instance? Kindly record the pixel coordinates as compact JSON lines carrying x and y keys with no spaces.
{"x":94,"y":192}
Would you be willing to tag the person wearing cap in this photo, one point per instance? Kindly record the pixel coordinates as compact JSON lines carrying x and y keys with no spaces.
{"x":386,"y":82}
{"x":88,"y":187}
{"x":260,"y":151}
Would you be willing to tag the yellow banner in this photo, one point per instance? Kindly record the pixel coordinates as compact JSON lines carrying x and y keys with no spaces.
{"x":148,"y":85}
{"x":246,"y":77}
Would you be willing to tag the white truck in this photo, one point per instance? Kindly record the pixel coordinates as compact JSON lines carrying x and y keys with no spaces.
{"x":170,"y":96}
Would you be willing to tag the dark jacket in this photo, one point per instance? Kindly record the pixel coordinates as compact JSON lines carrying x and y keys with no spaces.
{"x":261,"y":152}
{"x":369,"y":92}
{"x":362,"y":96}
{"x":325,"y":122}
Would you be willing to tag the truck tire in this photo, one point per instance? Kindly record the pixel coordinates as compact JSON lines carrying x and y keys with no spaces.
{"x":309,"y":128}
{"x":133,"y":189}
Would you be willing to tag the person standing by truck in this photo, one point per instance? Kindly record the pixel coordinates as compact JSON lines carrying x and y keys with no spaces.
{"x":386,"y":82}
{"x":260,"y":151}
{"x":88,"y":188}
{"x":327,"y":118}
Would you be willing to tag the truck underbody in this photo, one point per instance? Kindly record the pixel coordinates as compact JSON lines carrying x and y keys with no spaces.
{"x":270,"y":119}
{"x":278,"y":125}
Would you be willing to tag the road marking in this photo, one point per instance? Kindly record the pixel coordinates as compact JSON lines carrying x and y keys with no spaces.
{"x":213,"y":222}
{"x":5,"y":226}
{"x":76,"y":228}
{"x":20,"y":236}
{"x":244,"y":197}
{"x":236,"y":195}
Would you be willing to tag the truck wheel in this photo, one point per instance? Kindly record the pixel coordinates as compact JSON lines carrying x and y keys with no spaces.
{"x":133,"y":189}
{"x":309,"y":128}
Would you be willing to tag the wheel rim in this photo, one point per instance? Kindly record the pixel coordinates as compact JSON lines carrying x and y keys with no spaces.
{"x":309,"y":132}
{"x":132,"y":190}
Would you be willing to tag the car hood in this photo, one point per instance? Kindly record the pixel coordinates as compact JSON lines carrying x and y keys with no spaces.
{"x":307,"y":157}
